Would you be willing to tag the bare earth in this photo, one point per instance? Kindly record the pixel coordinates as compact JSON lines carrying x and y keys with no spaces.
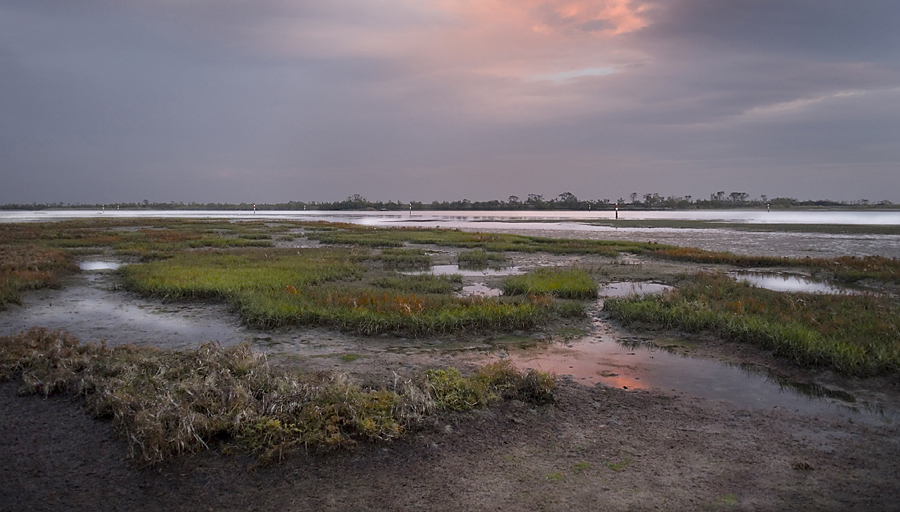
{"x":595,"y":448}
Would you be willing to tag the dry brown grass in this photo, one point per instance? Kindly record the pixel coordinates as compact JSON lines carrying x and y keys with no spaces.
{"x":27,"y":267}
{"x":167,"y":403}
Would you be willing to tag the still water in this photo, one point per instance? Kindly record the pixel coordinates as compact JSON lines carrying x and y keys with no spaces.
{"x":789,"y":283}
{"x":884,"y":218}
{"x":578,"y":225}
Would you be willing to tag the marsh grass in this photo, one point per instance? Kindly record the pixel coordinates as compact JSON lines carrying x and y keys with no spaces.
{"x":492,"y":242}
{"x":562,"y":283}
{"x":166,"y":403}
{"x":274,"y":288}
{"x":27,"y":267}
{"x":149,"y":239}
{"x":844,"y":268}
{"x":854,"y":334}
{"x":421,"y":283}
{"x":405,"y":258}
{"x":479,"y":258}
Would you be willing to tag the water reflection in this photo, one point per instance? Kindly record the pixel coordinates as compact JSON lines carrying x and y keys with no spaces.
{"x":480,"y":289}
{"x":626,"y":288}
{"x":788,"y":283}
{"x":615,"y":360}
{"x":91,"y":266}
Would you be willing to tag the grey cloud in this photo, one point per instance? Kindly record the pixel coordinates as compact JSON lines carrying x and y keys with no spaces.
{"x":105,"y":101}
{"x":829,"y":30}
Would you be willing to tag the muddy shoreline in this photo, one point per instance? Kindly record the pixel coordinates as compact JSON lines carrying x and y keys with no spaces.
{"x":595,"y":448}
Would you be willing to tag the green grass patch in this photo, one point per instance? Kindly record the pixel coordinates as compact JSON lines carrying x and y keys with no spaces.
{"x":493,"y":242}
{"x":618,"y":465}
{"x":215,"y":274}
{"x":275,"y":288}
{"x":497,"y":380}
{"x":854,"y":334}
{"x":562,"y":283}
{"x":166,"y":403}
{"x":421,"y":283}
{"x":405,"y":258}
{"x":479,"y":258}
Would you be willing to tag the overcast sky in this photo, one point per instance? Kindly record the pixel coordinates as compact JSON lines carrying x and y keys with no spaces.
{"x":314,"y":100}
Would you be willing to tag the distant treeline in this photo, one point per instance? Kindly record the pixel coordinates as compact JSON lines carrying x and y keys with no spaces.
{"x":564,"y":201}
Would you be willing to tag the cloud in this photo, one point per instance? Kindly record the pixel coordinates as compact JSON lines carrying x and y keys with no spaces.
{"x":305,"y":99}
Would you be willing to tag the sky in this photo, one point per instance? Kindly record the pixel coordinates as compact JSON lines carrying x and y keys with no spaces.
{"x":104,"y":101}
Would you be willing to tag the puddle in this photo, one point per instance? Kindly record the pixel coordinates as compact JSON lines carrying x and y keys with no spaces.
{"x":89,"y":308}
{"x":625,"y":289}
{"x":611,"y":359}
{"x":480,"y":289}
{"x":440,"y":270}
{"x":91,"y":266}
{"x":788,"y":283}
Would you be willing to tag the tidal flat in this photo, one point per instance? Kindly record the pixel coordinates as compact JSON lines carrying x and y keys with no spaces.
{"x":353,"y":311}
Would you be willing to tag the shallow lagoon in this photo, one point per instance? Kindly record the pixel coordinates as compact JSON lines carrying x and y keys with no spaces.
{"x":577,"y":225}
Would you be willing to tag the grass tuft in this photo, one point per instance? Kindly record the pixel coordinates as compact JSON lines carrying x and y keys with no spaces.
{"x":562,"y":283}
{"x":405,"y":258}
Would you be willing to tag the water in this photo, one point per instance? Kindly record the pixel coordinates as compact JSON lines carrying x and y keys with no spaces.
{"x":610,"y":357}
{"x":624,"y":289}
{"x":788,"y":283}
{"x":93,"y":266}
{"x":481,"y":289}
{"x":577,"y":225}
{"x":443,"y":270}
{"x":447,"y":218}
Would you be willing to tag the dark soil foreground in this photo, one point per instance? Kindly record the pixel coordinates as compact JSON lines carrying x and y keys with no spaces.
{"x":594,"y":449}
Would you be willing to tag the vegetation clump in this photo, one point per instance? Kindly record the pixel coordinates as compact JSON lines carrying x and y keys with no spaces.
{"x":28,"y":267}
{"x":479,"y":258}
{"x":421,"y":283}
{"x":168,"y":403}
{"x":562,"y":283}
{"x":854,"y":334}
{"x":275,"y":288}
{"x":405,"y":258}
{"x":493,"y":381}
